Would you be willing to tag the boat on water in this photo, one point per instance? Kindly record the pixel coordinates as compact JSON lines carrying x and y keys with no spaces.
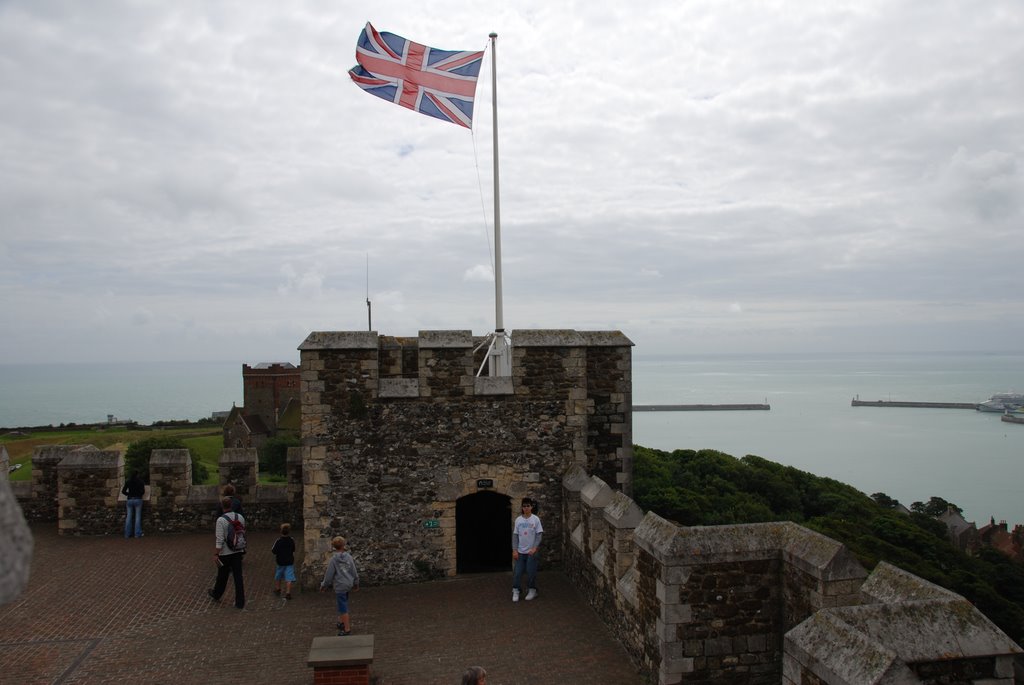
{"x":1002,"y":402}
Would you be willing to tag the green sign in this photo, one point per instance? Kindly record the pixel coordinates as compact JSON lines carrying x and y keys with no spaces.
{"x":431,"y":523}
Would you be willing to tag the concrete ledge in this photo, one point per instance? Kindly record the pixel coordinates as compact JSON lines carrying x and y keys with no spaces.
{"x":575,"y":479}
{"x":547,"y":338}
{"x":52,"y":454}
{"x":596,"y":494}
{"x":623,"y":512}
{"x":436,"y":340}
{"x":340,"y":340}
{"x":169,"y":458}
{"x":332,"y":651}
{"x":85,"y":459}
{"x":606,"y":339}
{"x":888,"y":584}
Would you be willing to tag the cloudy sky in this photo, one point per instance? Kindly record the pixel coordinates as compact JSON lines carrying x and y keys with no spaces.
{"x":200,"y":180}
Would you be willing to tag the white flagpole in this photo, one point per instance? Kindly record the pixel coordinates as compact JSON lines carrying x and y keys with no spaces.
{"x":500,"y":352}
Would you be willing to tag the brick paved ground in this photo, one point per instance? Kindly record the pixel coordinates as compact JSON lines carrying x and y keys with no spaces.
{"x":101,"y":610}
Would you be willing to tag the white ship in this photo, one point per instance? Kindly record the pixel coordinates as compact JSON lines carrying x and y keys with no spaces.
{"x":1002,"y":402}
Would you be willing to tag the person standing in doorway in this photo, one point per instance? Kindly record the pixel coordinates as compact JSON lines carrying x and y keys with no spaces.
{"x":526,"y":535}
{"x":228,"y":560}
{"x":134,"y":489}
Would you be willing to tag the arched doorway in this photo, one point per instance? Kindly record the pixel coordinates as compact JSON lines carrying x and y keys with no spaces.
{"x":483,"y":532}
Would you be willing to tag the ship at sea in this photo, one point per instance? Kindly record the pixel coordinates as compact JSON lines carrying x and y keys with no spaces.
{"x":1003,"y":402}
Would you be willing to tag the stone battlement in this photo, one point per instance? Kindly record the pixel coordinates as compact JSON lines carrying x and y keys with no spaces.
{"x":79,"y":487}
{"x":765,"y":603}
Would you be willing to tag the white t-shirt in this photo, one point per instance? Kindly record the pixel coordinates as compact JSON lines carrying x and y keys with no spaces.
{"x":527,"y":530}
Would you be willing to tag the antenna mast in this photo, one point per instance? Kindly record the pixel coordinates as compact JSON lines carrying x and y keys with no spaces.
{"x":369,"y":314}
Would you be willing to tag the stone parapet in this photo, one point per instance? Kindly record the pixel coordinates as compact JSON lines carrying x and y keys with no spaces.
{"x":88,"y":484}
{"x":16,"y":543}
{"x":87,"y":497}
{"x":240,"y":466}
{"x":42,"y":502}
{"x":170,"y":477}
{"x":912,"y":632}
{"x":768,"y":602}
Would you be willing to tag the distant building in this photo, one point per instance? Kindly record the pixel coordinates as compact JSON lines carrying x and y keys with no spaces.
{"x":963,"y":534}
{"x":271,"y":404}
{"x":998,"y":537}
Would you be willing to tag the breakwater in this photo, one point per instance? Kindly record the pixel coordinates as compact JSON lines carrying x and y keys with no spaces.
{"x":1012,"y":419}
{"x":928,"y":405}
{"x":700,"y":407}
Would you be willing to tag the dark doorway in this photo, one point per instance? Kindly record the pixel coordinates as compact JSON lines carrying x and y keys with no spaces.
{"x":483,"y":533}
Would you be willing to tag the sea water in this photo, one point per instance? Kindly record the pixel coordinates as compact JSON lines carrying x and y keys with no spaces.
{"x":54,"y":394}
{"x":970,"y":458}
{"x":965,"y":456}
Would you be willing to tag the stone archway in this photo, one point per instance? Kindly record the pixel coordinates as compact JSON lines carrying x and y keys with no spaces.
{"x":483,"y":532}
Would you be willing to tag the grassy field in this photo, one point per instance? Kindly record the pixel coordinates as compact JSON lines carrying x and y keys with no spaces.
{"x":207,"y":443}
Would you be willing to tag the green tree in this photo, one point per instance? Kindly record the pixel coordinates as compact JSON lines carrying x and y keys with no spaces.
{"x":936,"y":506}
{"x":274,"y":454}
{"x":136,"y":457}
{"x":883,"y":500}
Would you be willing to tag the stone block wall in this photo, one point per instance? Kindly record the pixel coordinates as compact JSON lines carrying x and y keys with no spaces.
{"x":765,"y":603}
{"x":88,"y":484}
{"x":388,"y":452}
{"x":40,"y":504}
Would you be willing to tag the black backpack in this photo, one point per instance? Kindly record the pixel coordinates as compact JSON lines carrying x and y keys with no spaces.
{"x":235,"y":538}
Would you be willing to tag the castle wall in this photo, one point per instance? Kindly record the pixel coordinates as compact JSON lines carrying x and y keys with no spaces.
{"x":79,"y":488}
{"x":392,"y":444}
{"x":765,"y":603}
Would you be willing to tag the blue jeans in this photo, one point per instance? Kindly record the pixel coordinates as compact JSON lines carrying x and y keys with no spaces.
{"x":134,"y":508}
{"x":528,"y":563}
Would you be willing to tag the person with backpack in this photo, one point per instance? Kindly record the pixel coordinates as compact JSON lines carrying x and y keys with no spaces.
{"x":228,"y":554}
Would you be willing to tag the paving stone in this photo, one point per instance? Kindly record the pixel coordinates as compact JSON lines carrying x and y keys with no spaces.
{"x":110,"y":610}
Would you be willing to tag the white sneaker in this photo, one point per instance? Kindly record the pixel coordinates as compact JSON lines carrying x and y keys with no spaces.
{"x":515,"y":595}
{"x":532,"y":594}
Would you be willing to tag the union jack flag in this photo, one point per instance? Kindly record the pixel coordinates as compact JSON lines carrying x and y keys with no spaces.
{"x":438,"y":83}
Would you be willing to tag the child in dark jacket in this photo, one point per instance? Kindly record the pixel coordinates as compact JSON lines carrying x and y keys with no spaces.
{"x":284,"y":552}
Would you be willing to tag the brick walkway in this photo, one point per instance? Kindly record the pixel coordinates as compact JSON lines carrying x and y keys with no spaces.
{"x":101,"y":610}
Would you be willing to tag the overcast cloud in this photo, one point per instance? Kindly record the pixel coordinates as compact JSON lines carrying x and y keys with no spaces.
{"x":201,"y":180}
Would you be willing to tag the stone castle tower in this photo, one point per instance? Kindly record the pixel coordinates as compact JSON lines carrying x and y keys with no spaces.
{"x":421,"y":464}
{"x":267,"y":389}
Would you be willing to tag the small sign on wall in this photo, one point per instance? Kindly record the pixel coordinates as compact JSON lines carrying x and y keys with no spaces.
{"x":485,"y":483}
{"x":431,"y":523}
